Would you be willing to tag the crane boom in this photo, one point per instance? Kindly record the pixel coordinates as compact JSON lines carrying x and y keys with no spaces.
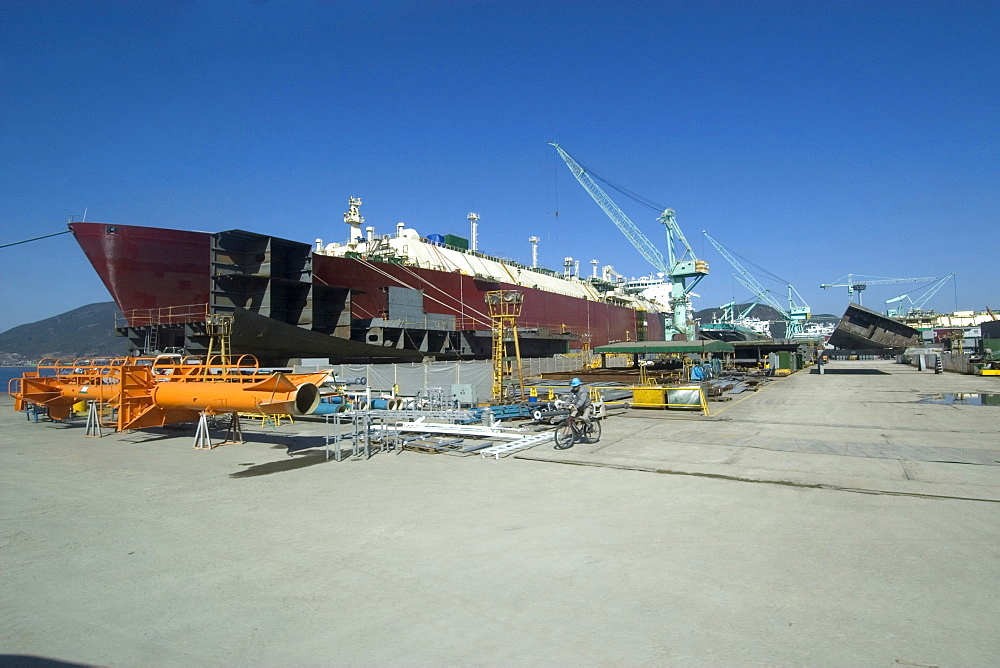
{"x":628,"y":228}
{"x":919,"y":302}
{"x":761,"y":293}
{"x":793,"y":315}
{"x":917,"y":305}
{"x":677,"y":268}
{"x":862,"y":284}
{"x":745,"y":277}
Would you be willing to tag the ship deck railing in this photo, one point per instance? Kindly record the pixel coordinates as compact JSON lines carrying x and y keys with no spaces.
{"x":164,"y":315}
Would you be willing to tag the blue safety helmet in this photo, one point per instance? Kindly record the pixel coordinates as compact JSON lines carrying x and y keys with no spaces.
{"x":575,"y":382}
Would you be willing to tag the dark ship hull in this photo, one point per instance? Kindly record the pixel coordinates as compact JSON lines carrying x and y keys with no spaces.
{"x":863,"y":329}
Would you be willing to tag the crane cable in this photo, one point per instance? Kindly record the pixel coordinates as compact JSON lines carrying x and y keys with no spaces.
{"x":410,"y":287}
{"x":634,"y":196}
{"x":466,"y":308}
{"x":44,"y":236}
{"x":767,"y":274}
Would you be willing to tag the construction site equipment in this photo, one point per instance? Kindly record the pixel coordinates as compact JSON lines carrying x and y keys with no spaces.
{"x":670,"y":397}
{"x":503,"y":449}
{"x":147,"y":402}
{"x":505,"y":308}
{"x":856,"y":283}
{"x":794,"y":315}
{"x":491,"y":414}
{"x":272,"y":419}
{"x":679,"y":268}
{"x":152,"y":392}
{"x":454,"y":416}
{"x":202,"y":437}
{"x":482,"y":431}
{"x":729,"y":311}
{"x":439,"y":444}
{"x":916,"y":306}
{"x":644,"y":378}
{"x":549,"y":414}
{"x":371,"y":431}
{"x":359,"y":435}
{"x":515,"y":438}
{"x":219,"y":327}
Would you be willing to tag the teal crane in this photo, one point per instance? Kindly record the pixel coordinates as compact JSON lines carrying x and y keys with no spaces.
{"x":794,"y":315}
{"x":916,"y":306}
{"x":856,"y":283}
{"x":729,"y":311}
{"x":678,"y":267}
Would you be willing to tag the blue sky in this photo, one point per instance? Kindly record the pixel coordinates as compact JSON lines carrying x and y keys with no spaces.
{"x":813,"y":139}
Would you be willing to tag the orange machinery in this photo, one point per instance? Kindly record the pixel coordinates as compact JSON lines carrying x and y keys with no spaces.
{"x":152,"y":392}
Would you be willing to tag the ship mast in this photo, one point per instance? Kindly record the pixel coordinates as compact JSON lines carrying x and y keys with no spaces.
{"x":354,"y":219}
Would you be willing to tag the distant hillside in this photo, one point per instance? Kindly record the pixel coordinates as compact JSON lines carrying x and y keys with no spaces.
{"x":83,"y":332}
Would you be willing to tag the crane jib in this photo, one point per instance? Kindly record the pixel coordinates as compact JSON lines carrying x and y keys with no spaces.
{"x":678,"y":268}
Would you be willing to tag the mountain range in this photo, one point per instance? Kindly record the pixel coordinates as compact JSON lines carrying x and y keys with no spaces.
{"x":87,"y":331}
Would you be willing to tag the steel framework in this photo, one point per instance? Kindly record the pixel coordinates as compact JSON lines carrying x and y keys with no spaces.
{"x":504,"y":309}
{"x":794,"y":315}
{"x":678,"y":268}
{"x":855,"y":283}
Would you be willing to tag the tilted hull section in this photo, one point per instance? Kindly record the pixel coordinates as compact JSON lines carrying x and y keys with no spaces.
{"x":863,"y":329}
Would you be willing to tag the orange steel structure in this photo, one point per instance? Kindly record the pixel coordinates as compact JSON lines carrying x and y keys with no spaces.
{"x":168,"y":389}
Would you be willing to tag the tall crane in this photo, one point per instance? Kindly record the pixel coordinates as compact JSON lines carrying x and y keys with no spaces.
{"x":796,"y":313}
{"x":677,"y":267}
{"x":916,"y":306}
{"x":857,"y":286}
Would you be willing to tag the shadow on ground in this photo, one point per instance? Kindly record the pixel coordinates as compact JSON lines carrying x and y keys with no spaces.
{"x":280,"y":466}
{"x":851,"y":372}
{"x":29,"y":661}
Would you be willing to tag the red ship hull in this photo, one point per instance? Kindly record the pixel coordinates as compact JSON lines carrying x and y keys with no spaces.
{"x":454,"y":293}
{"x":150,"y":270}
{"x":148,"y":267}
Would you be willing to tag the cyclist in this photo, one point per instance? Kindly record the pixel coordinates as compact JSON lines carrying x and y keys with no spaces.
{"x":578,"y":399}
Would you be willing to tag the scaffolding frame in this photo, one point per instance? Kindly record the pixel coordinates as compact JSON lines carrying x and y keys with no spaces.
{"x":504,"y":309}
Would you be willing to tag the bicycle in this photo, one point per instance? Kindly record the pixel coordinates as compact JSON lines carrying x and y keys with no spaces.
{"x":574,"y":430}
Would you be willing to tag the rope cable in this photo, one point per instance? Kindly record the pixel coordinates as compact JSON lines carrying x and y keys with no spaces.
{"x":634,"y":196}
{"x":467,"y":308}
{"x":44,"y":236}
{"x":768,"y":274}
{"x":410,"y":287}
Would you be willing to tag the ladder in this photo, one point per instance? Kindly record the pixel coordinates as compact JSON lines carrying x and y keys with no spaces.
{"x":220,"y":329}
{"x":504,"y":449}
{"x":152,"y":339}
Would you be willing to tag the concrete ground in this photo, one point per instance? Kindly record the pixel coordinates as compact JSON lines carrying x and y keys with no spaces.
{"x":820,"y":521}
{"x":861,"y":425}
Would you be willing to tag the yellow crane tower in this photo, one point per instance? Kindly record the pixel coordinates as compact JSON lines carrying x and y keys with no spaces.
{"x":505,"y":308}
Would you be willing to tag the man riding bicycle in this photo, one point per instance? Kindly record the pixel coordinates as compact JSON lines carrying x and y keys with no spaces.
{"x":578,"y":400}
{"x":578,"y":427}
